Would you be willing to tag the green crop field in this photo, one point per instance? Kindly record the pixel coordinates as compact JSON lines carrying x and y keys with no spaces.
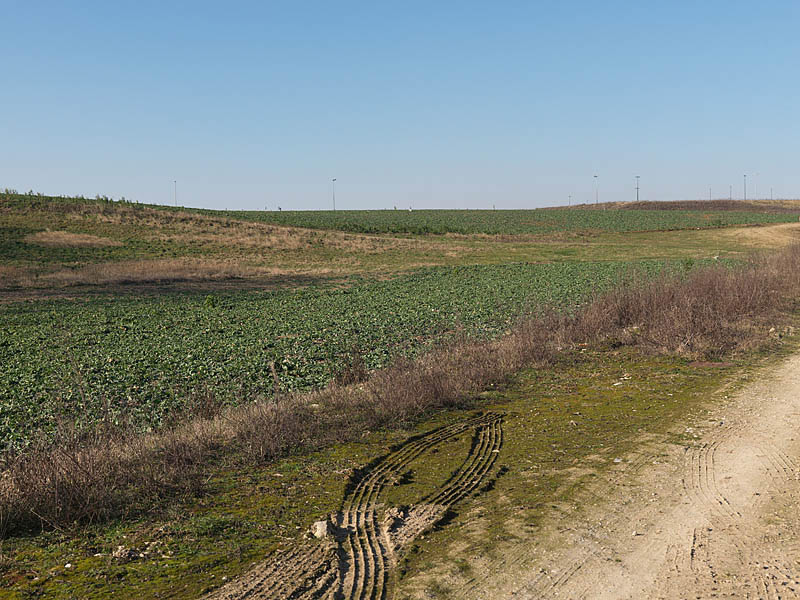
{"x":422,"y":222}
{"x":514,"y":222}
{"x":139,"y":359}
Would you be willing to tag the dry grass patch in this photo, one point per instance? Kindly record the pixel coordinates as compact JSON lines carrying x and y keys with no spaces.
{"x":184,"y":227}
{"x":67,"y":239}
{"x":163,"y":270}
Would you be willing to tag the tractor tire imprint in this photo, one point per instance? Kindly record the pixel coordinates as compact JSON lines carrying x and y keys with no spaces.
{"x":368,"y":538}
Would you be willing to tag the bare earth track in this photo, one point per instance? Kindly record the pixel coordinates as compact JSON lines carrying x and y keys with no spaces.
{"x":368,"y":536}
{"x":714,"y":515}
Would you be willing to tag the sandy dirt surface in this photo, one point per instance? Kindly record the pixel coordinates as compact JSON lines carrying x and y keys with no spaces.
{"x":707,"y":510}
{"x":712,"y":513}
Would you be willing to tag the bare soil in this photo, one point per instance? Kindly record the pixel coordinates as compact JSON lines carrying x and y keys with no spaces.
{"x":711,"y":513}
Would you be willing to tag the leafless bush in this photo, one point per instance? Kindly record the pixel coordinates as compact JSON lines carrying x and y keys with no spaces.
{"x":711,"y":311}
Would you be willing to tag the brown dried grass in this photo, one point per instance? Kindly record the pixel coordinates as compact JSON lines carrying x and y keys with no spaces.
{"x":713,"y":312}
{"x":185,"y":227}
{"x":145,"y":271}
{"x":67,"y":239}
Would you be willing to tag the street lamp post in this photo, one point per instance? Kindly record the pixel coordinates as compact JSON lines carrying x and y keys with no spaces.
{"x":745,"y":187}
{"x":175,"y":182}
{"x":596,"y":191}
{"x":333,"y":191}
{"x":637,"y":188}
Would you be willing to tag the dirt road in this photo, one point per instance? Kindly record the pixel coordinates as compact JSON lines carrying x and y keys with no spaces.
{"x":713,"y":515}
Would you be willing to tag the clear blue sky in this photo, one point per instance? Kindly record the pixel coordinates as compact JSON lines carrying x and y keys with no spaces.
{"x":433,"y":105}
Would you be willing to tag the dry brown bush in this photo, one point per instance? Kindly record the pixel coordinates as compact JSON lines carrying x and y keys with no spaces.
{"x":710,"y":312}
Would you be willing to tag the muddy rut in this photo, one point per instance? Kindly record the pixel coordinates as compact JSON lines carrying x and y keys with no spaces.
{"x":358,"y":559}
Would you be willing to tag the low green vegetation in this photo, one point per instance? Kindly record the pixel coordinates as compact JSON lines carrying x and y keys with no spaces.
{"x":513,"y":222}
{"x":142,"y":360}
{"x":565,"y":429}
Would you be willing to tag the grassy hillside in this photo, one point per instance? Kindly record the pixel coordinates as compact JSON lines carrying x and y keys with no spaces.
{"x":50,"y":243}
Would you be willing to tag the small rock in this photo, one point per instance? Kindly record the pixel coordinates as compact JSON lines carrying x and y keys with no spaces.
{"x":68,"y":566}
{"x":123,"y":554}
{"x":320,"y":529}
{"x":617,"y":460}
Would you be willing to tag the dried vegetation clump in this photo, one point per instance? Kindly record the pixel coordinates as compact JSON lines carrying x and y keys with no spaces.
{"x":711,"y":312}
{"x":157,"y":270}
{"x":169,"y":270}
{"x":67,"y":239}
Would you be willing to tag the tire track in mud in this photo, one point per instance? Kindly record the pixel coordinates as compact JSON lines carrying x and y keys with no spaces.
{"x":359,"y":564}
{"x":370,"y":550}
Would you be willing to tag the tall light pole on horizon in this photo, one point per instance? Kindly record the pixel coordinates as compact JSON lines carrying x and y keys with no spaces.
{"x":596,"y":191}
{"x":333,"y":191}
{"x":175,"y":181}
{"x":637,"y":188}
{"x":745,"y":187}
